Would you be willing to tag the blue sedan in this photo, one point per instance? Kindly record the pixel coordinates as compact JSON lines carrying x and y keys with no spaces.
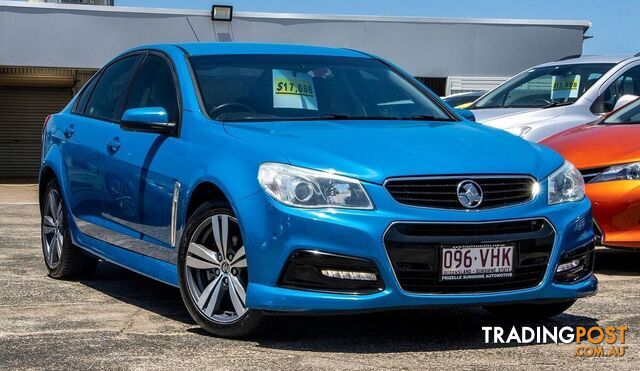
{"x":262,"y":178}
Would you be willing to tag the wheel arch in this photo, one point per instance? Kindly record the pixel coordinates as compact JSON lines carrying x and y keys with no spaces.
{"x":202,"y":192}
{"x":46,"y":175}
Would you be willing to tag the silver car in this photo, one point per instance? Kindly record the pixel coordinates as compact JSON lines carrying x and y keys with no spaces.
{"x":553,"y":97}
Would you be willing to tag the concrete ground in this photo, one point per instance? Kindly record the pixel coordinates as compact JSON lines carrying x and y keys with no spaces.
{"x":120,"y":320}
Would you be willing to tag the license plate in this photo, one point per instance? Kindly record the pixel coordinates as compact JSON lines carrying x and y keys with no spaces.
{"x":485,"y":261}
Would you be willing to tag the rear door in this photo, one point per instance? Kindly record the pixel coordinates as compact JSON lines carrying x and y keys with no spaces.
{"x":83,"y":139}
{"x":140,"y":188}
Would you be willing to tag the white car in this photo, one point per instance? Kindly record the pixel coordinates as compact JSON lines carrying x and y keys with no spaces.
{"x":553,"y":97}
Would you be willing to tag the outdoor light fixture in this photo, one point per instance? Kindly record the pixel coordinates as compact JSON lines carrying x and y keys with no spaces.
{"x":222,"y":13}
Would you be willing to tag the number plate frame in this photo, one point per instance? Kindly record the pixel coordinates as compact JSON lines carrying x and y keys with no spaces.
{"x":493,"y":274}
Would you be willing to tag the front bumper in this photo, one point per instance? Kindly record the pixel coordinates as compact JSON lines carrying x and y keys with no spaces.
{"x":272,"y":232}
{"x":616,"y":210}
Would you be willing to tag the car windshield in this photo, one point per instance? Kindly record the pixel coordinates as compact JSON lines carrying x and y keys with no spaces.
{"x":297,"y":87}
{"x":629,"y":114}
{"x":545,"y":87}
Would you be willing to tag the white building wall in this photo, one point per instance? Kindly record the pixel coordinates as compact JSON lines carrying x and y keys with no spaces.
{"x":52,"y":35}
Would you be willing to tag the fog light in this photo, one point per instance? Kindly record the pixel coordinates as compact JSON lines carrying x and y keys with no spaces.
{"x":568,"y":266}
{"x":349,"y":275}
{"x":222,"y":13}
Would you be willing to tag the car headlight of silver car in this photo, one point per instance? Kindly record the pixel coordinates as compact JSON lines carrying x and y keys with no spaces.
{"x":565,"y":185}
{"x":619,"y":172}
{"x":306,"y":188}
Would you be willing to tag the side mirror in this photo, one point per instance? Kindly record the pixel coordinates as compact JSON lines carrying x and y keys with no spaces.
{"x":147,"y":119}
{"x":624,"y":100}
{"x":465,"y":113}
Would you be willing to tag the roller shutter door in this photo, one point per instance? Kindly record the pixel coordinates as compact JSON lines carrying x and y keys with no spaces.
{"x":22,"y":114}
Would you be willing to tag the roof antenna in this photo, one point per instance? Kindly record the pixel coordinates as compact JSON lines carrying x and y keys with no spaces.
{"x":192,"y":30}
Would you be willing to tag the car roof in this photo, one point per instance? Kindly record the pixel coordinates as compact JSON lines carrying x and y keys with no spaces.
{"x":219,"y":48}
{"x":615,"y":59}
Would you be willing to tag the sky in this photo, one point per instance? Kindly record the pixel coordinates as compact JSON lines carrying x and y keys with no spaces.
{"x":615,"y":22}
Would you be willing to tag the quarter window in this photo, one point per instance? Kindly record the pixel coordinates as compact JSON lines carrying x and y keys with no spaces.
{"x":154,"y":87}
{"x":103,"y":103}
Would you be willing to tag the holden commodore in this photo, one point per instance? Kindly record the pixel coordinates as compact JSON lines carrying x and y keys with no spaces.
{"x":276,"y":178}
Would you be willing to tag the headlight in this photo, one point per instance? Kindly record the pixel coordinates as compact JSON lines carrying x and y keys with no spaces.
{"x":520,"y":131}
{"x":619,"y":172}
{"x":565,"y":185}
{"x":300,"y":187}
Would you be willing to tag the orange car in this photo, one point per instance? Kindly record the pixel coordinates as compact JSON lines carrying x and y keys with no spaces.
{"x":607,"y":153}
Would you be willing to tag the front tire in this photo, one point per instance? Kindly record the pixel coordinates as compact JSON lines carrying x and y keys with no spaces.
{"x":213,"y":273}
{"x":529,"y":311}
{"x":63,"y":259}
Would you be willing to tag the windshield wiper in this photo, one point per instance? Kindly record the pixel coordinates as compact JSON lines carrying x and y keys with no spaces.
{"x":407,"y":118}
{"x":333,"y":116}
{"x":557,"y":104}
{"x":425,"y":118}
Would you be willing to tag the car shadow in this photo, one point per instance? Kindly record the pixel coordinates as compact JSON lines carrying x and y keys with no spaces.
{"x":426,"y":330}
{"x":135,"y":289}
{"x":618,"y":262}
{"x":433,"y":329}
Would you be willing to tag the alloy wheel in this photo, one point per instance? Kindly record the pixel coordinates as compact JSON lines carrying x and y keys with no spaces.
{"x":53,"y":228}
{"x":216,"y":269}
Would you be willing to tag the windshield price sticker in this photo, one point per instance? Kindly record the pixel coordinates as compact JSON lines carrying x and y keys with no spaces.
{"x":293,"y":90}
{"x":565,"y":86}
{"x":299,"y":87}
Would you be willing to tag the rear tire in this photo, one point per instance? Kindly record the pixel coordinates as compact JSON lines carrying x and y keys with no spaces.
{"x":529,"y":311}
{"x":63,"y":259}
{"x":213,"y":273}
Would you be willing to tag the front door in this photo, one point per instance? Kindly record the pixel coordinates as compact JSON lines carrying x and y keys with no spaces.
{"x":139,"y":186}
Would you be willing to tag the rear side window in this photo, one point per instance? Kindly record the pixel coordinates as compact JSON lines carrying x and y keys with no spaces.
{"x":103,"y":103}
{"x":84,"y":95}
{"x":154,"y":87}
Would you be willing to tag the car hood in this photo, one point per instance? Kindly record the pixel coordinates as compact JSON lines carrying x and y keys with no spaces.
{"x":506,"y":118}
{"x":590,"y":146}
{"x":376,"y":150}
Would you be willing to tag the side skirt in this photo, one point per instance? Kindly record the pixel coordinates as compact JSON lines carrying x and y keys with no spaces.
{"x":147,"y":266}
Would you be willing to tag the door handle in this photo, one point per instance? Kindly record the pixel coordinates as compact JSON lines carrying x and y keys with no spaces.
{"x":113,"y":145}
{"x":68,"y":131}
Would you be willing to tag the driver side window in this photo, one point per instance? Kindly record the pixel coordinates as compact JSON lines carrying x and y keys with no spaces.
{"x":627,"y":83}
{"x":154,"y":87}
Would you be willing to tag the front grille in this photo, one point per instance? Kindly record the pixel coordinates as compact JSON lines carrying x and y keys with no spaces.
{"x":469,"y":229}
{"x":415,"y":248}
{"x":589,"y":174}
{"x":442,"y":192}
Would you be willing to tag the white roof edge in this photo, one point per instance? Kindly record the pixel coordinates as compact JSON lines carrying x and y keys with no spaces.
{"x":327,"y":17}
